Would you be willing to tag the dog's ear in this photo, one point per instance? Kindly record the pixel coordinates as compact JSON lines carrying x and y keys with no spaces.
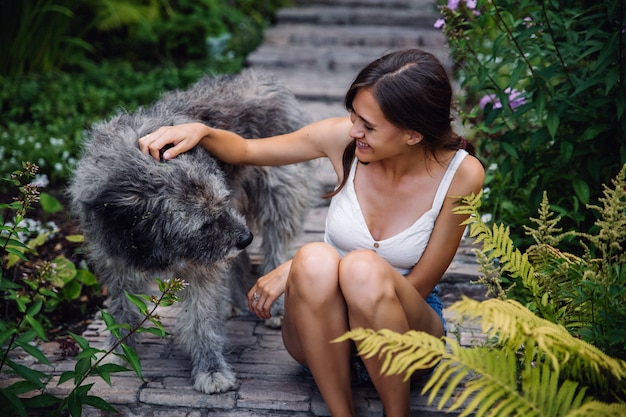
{"x":128,"y":222}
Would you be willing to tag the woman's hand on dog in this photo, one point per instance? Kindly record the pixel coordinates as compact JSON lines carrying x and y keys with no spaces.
{"x":267,"y":289}
{"x":183,"y":138}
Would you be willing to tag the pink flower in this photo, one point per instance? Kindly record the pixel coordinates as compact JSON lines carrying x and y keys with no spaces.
{"x":440,"y":23}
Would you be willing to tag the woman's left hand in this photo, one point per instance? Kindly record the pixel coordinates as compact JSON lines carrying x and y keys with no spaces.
{"x":267,"y":289}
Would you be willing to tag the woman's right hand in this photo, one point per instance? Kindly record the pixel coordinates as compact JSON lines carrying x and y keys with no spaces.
{"x":267,"y":289}
{"x":183,"y":138}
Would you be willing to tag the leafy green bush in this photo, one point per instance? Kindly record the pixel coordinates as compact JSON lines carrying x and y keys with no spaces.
{"x":586,"y":294}
{"x":86,"y":59}
{"x":546,"y":93}
{"x":23,"y":281}
{"x":41,"y":35}
{"x":39,"y":289}
{"x":43,"y":117}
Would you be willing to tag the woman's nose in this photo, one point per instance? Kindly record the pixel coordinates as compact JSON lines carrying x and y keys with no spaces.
{"x":355,"y":131}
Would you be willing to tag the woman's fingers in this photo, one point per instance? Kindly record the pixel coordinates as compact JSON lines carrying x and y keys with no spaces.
{"x":260,"y":302}
{"x":166,"y":142}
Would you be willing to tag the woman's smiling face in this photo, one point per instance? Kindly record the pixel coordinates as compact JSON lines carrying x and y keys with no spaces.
{"x":376,"y":137}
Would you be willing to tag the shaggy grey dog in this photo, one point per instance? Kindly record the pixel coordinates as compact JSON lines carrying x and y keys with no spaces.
{"x":192,"y":216}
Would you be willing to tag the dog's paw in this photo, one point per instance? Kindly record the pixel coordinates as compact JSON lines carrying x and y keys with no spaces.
{"x":274,"y":322}
{"x":214,"y":381}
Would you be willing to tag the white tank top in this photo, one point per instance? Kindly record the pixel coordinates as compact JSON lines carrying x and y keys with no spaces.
{"x":346,"y":229}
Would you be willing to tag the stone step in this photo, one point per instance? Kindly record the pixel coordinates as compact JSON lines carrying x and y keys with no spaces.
{"x":392,"y":4}
{"x":372,"y":36}
{"x":312,"y":58}
{"x":337,"y":15}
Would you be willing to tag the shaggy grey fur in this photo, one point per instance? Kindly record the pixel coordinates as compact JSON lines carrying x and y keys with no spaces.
{"x":190,"y":217}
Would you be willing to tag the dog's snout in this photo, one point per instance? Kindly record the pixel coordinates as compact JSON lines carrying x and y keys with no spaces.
{"x":245,"y":241}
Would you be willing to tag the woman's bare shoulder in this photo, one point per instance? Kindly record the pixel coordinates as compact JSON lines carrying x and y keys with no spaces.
{"x":469,"y":177}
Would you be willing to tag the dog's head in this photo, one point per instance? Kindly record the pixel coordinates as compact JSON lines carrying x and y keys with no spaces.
{"x":155,"y":215}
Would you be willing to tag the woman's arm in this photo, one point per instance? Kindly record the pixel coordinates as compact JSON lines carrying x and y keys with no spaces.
{"x":324,"y":138}
{"x":444,"y":240}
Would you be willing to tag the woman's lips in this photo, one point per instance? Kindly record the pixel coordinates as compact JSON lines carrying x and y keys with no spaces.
{"x":362,"y":145}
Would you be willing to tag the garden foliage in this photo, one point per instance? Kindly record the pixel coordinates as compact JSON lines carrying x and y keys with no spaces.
{"x":586,"y":294}
{"x":545,"y":94}
{"x":40,"y":288}
{"x":530,"y":368}
{"x":69,"y":63}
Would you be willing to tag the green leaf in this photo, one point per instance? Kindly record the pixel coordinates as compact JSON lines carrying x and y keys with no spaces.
{"x":12,"y":401}
{"x":65,"y":271}
{"x":133,"y":360}
{"x":508,"y":148}
{"x":552,"y":122}
{"x":49,"y":203}
{"x":99,"y":403}
{"x":31,"y":375}
{"x":22,"y":387}
{"x":72,"y":290}
{"x":36,"y":326}
{"x":75,"y":238}
{"x":42,"y":401}
{"x":137,"y":301}
{"x":66,"y":376}
{"x":157,"y":331}
{"x":104,"y":371}
{"x":581,"y":188}
{"x":86,"y":277}
{"x":34,"y":352}
{"x":81,"y":341}
{"x":74,"y":404}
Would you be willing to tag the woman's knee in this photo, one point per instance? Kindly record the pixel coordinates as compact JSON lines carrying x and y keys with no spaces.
{"x":364,"y":275}
{"x":315,"y":265}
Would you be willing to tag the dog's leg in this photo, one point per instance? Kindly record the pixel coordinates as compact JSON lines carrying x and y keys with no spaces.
{"x":200,"y":328}
{"x":118,"y":279}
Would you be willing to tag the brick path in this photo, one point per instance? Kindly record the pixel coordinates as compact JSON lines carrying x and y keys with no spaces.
{"x":316,"y":48}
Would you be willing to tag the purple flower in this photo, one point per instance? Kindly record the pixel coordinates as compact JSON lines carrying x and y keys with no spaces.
{"x":440,"y":23}
{"x":516,"y":99}
{"x":489,"y":98}
{"x":453,"y":4}
{"x":471,"y":4}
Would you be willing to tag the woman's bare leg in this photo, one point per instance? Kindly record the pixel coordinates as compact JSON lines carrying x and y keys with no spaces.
{"x":315,"y":314}
{"x":379,"y":297}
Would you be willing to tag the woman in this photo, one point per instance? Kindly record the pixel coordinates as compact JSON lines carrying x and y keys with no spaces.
{"x":390,"y":231}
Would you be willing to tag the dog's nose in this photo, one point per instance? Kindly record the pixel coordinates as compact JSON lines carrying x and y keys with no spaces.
{"x":245,"y":241}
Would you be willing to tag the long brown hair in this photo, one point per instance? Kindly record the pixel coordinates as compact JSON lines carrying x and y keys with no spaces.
{"x":414,"y":92}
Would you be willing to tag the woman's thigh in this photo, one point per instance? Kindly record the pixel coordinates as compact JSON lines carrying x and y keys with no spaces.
{"x":311,"y":295}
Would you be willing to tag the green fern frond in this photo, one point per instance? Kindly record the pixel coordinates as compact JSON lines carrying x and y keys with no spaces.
{"x":512,"y":378}
{"x":547,"y":231}
{"x":497,"y":243}
{"x":599,"y":409}
{"x":515,"y":326}
{"x":495,"y":391}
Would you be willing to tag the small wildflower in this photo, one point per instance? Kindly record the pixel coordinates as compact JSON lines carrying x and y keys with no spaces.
{"x":516,"y":99}
{"x":440,"y":23}
{"x":453,"y":4}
